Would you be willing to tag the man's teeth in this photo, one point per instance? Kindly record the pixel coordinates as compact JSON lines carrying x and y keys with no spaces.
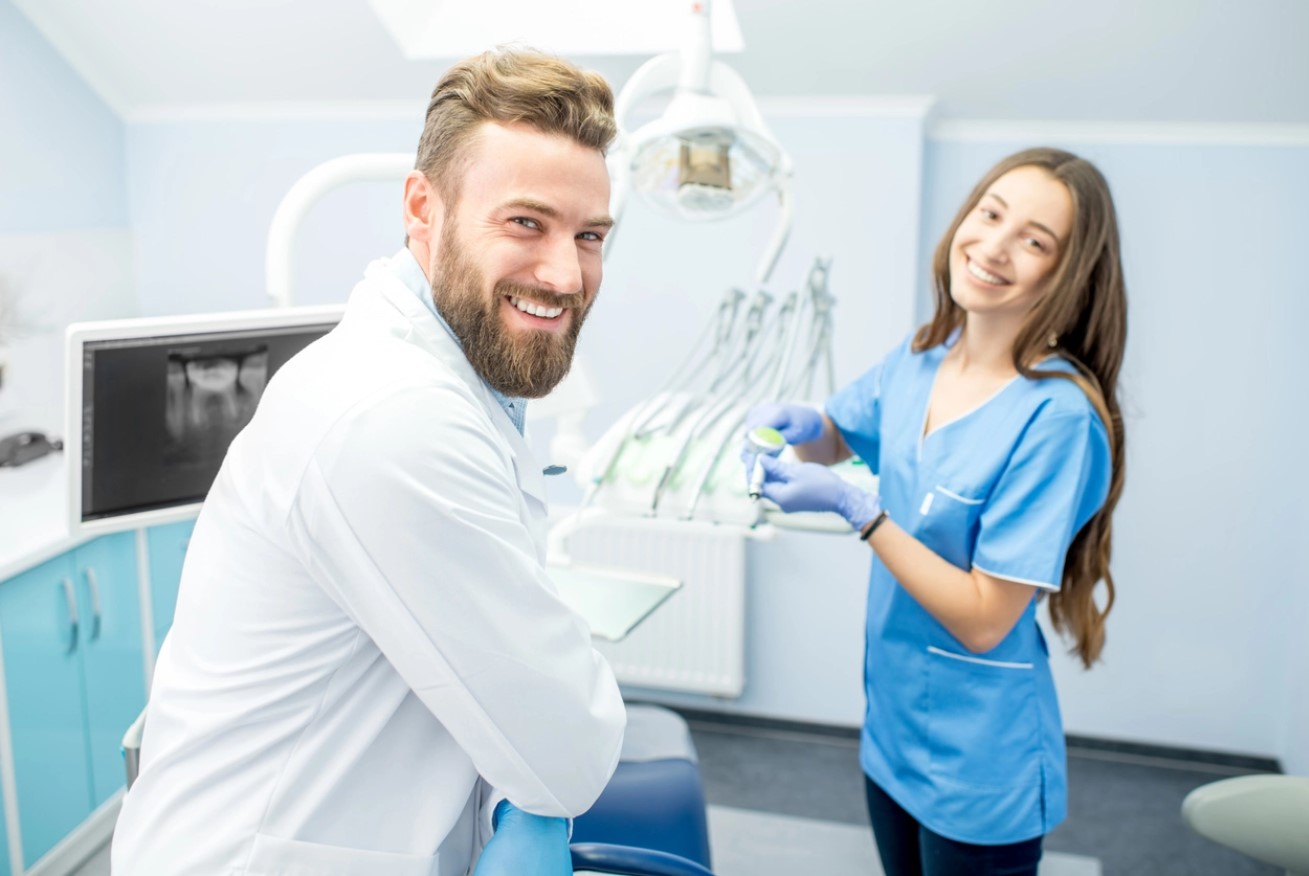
{"x":535,"y":309}
{"x":985,"y":276}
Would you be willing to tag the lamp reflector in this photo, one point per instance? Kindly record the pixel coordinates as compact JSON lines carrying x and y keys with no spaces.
{"x":704,"y":173}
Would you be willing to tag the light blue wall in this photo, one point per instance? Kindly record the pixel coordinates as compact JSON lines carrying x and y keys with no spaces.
{"x":1295,"y":727}
{"x":1204,"y":643}
{"x":61,"y":154}
{"x":202,"y":195}
{"x":64,"y":250}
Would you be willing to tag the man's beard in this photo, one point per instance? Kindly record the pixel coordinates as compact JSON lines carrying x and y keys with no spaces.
{"x":526,"y":364}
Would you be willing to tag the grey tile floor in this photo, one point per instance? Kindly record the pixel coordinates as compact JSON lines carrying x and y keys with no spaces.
{"x":1124,"y":809}
{"x":751,"y":843}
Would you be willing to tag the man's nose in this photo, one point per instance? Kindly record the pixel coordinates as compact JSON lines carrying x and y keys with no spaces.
{"x":560,"y":269}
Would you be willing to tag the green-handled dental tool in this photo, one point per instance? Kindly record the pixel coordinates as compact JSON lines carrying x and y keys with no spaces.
{"x":764,"y":441}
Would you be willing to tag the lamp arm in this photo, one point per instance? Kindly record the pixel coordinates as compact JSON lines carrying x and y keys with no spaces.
{"x":620,"y":182}
{"x":726,"y":83}
{"x":295,"y":204}
{"x":660,"y":73}
{"x":783,"y":230}
{"x":696,"y":50}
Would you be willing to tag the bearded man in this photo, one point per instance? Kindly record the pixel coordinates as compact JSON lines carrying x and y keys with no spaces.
{"x":368,"y":658}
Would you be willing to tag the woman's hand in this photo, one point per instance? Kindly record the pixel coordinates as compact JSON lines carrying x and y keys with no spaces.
{"x":799,"y":424}
{"x":808,"y":486}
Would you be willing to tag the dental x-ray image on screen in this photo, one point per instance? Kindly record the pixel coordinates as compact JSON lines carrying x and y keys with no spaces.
{"x":160,"y":400}
{"x":211,"y":395}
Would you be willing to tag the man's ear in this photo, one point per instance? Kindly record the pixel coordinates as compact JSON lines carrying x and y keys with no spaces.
{"x":424,"y":211}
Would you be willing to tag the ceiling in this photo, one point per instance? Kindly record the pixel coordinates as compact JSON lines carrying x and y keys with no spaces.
{"x":1163,"y":61}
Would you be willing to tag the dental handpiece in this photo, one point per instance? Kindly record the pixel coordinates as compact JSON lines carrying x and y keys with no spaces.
{"x":764,"y":441}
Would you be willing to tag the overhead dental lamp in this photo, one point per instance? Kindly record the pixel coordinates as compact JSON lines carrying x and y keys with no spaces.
{"x":709,"y":155}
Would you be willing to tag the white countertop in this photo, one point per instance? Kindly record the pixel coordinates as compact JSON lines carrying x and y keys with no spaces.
{"x":34,"y":514}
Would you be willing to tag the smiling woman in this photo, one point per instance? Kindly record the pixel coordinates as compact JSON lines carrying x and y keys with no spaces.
{"x":995,"y":435}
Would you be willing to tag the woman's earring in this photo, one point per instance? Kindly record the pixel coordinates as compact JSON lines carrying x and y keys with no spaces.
{"x":1053,"y":340}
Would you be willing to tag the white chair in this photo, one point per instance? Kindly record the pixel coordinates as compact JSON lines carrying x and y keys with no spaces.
{"x":132,"y":748}
{"x":1263,"y":816}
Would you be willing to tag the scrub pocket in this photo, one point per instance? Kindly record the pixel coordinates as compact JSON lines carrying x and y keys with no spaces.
{"x":983,"y":722}
{"x":273,"y":856}
{"x":947,"y":522}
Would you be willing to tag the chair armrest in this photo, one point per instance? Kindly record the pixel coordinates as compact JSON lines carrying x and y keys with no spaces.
{"x":630,"y":861}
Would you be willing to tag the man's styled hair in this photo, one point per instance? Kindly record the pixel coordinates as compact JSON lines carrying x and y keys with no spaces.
{"x":507,"y":86}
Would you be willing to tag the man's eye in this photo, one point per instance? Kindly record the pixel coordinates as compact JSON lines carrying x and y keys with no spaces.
{"x":526,"y":221}
{"x":590,"y":235}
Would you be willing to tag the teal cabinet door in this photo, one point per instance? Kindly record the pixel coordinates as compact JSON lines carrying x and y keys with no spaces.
{"x":167,"y":548}
{"x":42,"y":630}
{"x":112,"y":652}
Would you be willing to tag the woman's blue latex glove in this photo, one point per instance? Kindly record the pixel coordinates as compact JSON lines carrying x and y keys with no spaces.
{"x":799,"y":424}
{"x":808,"y":486}
{"x":525,"y":845}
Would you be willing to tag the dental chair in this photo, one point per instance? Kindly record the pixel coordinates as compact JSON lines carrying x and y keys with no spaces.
{"x":628,"y":861}
{"x":1263,"y":816}
{"x":655,"y":799}
{"x":650,"y":819}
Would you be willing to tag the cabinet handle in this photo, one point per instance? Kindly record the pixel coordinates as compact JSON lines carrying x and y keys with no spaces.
{"x":95,"y":603}
{"x":72,"y":615}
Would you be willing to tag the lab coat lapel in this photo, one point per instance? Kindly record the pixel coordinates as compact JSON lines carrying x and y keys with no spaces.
{"x":431,"y":336}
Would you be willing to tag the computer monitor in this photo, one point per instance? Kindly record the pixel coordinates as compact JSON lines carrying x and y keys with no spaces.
{"x":153,"y":404}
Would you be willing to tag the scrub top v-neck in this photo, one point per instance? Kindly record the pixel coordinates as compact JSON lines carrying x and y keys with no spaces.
{"x":971,"y":744}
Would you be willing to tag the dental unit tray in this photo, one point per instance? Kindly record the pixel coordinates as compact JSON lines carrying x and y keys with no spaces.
{"x":612,"y":601}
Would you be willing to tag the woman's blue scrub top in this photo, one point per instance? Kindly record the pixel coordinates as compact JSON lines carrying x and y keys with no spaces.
{"x":970,"y":744}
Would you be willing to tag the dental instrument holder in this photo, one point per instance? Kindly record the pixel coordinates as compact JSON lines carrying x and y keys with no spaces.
{"x":755,"y":355}
{"x":718,"y":403}
{"x":764,"y":441}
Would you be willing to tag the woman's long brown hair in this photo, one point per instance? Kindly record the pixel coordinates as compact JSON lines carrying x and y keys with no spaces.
{"x":1085,"y":307}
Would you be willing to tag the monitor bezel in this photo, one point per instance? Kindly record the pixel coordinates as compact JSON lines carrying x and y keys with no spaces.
{"x":79,"y":334}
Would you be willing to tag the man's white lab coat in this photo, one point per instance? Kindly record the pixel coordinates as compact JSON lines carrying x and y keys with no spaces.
{"x":365,"y":626}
